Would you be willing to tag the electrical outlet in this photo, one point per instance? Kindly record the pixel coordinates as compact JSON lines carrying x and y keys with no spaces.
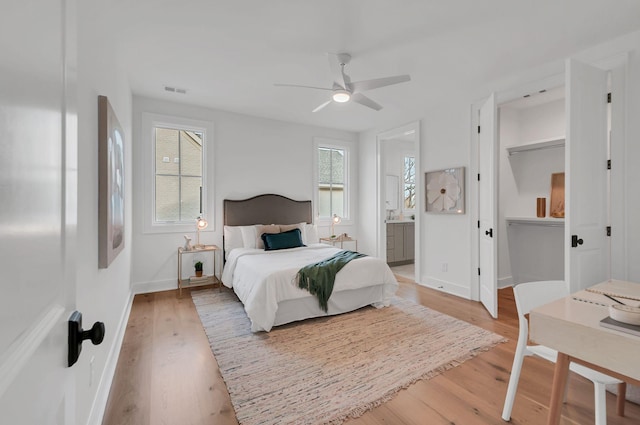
{"x":445,"y":267}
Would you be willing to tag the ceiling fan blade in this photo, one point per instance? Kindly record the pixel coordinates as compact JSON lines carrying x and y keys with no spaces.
{"x":321,"y":106}
{"x":364,"y":100}
{"x":336,"y":63}
{"x":359,"y":86}
{"x":304,"y":87}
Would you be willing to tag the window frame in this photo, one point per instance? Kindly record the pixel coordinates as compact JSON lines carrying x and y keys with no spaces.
{"x":348,"y":148}
{"x":151,"y":121}
{"x":403,"y":208}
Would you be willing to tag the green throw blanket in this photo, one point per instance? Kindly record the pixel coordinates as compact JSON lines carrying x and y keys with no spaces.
{"x":318,"y":278}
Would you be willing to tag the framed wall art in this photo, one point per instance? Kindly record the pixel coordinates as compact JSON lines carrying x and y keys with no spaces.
{"x":110,"y":184}
{"x":445,"y":191}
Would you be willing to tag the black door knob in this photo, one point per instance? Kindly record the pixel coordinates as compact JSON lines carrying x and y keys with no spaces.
{"x":77,"y":335}
{"x":575,"y":241}
{"x":489,"y":233}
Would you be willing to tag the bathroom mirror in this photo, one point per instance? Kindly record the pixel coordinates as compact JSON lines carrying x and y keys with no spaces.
{"x":392,"y":184}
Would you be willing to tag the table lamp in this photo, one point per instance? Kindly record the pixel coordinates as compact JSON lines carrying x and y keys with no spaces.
{"x":335,"y":220}
{"x":201,"y":224}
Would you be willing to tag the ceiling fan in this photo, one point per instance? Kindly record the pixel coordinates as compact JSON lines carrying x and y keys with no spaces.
{"x":344,"y":90}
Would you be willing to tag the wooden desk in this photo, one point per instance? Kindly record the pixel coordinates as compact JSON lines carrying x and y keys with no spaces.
{"x":571,"y":326}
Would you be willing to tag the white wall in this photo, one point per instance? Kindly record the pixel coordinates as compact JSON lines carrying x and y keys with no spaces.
{"x":252,"y":156}
{"x":102,"y":294}
{"x":446,"y":137}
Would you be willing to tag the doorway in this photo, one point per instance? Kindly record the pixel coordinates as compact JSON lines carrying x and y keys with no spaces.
{"x":399,"y":192}
{"x":588,"y":125}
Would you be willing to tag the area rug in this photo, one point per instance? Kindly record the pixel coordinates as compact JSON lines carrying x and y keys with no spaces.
{"x":326,"y":370}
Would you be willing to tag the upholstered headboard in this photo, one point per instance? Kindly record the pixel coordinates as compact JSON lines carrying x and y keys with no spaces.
{"x":266,"y":209}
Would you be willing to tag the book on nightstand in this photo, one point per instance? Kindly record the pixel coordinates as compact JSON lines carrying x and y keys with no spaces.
{"x":608,"y":322}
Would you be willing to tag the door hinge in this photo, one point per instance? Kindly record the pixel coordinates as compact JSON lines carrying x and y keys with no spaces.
{"x":478,"y":129}
{"x":608,"y":164}
{"x":478,"y":176}
{"x":478,"y":224}
{"x":608,"y":230}
{"x":608,"y":97}
{"x":478,"y":271}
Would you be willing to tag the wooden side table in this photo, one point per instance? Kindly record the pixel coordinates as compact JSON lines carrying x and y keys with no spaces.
{"x":194,"y":281}
{"x":342,"y":239}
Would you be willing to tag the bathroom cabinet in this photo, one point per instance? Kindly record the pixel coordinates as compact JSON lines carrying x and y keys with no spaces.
{"x":400,"y":243}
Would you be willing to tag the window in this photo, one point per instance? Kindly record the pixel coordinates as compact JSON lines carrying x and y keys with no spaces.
{"x":409,"y":173}
{"x":178,"y":173}
{"x":178,"y":182}
{"x":332,"y":184}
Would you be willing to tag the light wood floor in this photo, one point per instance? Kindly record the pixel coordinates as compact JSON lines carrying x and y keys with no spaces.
{"x":166,"y":374}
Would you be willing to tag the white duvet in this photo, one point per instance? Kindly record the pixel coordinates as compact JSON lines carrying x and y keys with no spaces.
{"x":262,"y":279}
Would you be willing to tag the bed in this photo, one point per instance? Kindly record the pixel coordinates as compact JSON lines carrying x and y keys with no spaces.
{"x":265,"y":280}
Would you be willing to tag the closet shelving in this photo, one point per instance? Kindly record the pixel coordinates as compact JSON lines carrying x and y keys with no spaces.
{"x":555,"y":142}
{"x":537,"y":221}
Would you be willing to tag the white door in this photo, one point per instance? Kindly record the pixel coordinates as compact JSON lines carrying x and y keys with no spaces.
{"x":586,"y":244}
{"x":487,"y":210}
{"x":37,"y":211}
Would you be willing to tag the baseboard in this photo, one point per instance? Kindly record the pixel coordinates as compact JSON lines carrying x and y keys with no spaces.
{"x":444,"y":286}
{"x":505,"y":282}
{"x":155,"y":286}
{"x":96,"y":414}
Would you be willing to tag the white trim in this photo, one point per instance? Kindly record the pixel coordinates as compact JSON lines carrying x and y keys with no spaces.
{"x":99,"y":405}
{"x":148,"y":123}
{"x":505,"y":282}
{"x":349,"y":148}
{"x":446,"y":286}
{"x":154,"y":286}
{"x":20,"y":352}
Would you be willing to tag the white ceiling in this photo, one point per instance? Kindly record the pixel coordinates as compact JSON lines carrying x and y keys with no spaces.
{"x":228,"y":54}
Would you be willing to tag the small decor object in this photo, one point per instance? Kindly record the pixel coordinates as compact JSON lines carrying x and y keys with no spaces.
{"x":201,"y":224}
{"x":541,"y":207}
{"x":556,"y":207}
{"x":198,"y":266}
{"x":187,"y":243}
{"x":111,"y":184}
{"x":445,"y":191}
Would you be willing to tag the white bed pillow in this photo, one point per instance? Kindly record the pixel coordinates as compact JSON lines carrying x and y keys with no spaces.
{"x":310,"y":234}
{"x":238,"y":237}
{"x":232,"y":238}
{"x":248,"y":236}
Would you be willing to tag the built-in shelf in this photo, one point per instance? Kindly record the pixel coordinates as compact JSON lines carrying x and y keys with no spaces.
{"x":536,"y":221}
{"x":556,"y":142}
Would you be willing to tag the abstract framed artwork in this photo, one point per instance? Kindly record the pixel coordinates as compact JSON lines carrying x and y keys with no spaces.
{"x":445,"y":191}
{"x":110,"y":184}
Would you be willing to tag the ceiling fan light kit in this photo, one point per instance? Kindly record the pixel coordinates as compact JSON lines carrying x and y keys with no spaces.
{"x":341,"y":96}
{"x":344,"y":90}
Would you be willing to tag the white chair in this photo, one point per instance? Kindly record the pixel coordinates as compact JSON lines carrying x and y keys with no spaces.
{"x":529,"y":296}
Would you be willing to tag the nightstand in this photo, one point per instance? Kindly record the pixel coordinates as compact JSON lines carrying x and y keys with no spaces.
{"x":340,"y":239}
{"x":205,"y":279}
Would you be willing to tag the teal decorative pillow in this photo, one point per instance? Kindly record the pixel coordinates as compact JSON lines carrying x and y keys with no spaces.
{"x":284,"y":240}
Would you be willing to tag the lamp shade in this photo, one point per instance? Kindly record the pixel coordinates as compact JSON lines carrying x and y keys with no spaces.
{"x":336,"y":219}
{"x":201,"y":223}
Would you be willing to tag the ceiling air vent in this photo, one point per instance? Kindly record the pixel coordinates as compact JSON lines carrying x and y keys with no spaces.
{"x":175,"y":90}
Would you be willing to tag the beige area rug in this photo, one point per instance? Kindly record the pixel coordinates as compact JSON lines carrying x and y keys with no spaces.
{"x":323,"y":371}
